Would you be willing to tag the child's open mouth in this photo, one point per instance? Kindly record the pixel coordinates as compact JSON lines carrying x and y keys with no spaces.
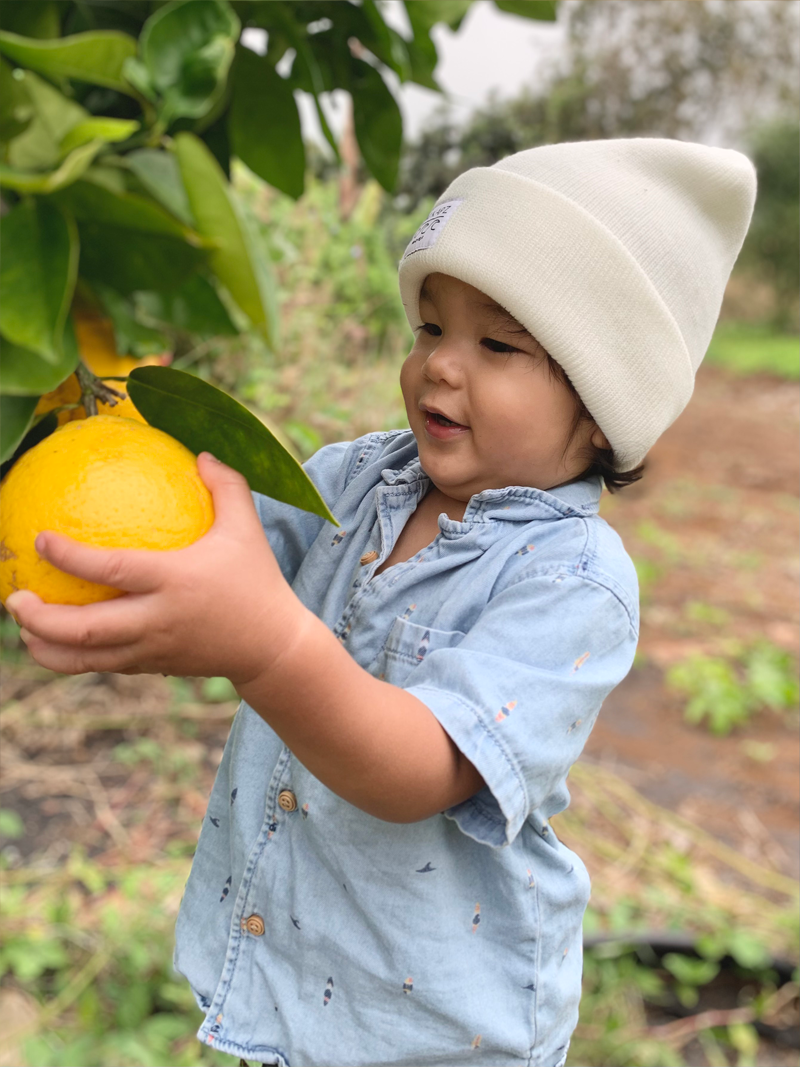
{"x":442,"y":428}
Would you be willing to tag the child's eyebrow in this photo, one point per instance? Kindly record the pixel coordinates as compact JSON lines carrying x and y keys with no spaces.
{"x":503,"y":319}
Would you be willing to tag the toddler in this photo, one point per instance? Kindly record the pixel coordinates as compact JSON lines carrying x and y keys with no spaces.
{"x":377,"y":881}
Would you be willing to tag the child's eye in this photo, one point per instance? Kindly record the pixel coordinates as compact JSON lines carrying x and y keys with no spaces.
{"x":431,"y":328}
{"x":497,"y":346}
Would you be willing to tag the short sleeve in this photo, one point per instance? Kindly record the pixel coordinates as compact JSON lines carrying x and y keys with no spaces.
{"x":521,"y":692}
{"x":290,"y":530}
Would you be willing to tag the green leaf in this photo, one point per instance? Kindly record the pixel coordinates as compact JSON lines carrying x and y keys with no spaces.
{"x":205,"y":418}
{"x":137,"y":74}
{"x":101,"y":129}
{"x":96,"y":57}
{"x":129,"y":260}
{"x":37,"y":276}
{"x":110,"y":177}
{"x":195,"y":307}
{"x":32,"y":181}
{"x":16,"y":109}
{"x":31,"y":18}
{"x":425,"y":15}
{"x":131,"y":336}
{"x":54,"y":115}
{"x":16,"y":418}
{"x":690,"y":971}
{"x":187,"y":47}
{"x":97,"y":204}
{"x":378,"y":123}
{"x":234,"y":259}
{"x":24,"y":373}
{"x":265,"y":124}
{"x":383,"y":41}
{"x":544,"y":10}
{"x":11,"y":825}
{"x":159,"y":173}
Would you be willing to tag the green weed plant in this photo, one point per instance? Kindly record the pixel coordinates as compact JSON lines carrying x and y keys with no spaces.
{"x":727,"y":692}
{"x":92,"y":951}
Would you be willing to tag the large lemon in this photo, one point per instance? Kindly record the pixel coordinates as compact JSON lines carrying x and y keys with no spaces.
{"x":95,"y":337}
{"x":109,"y":481}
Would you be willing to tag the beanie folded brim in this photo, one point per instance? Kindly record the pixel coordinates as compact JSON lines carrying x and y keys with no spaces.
{"x":576,"y":288}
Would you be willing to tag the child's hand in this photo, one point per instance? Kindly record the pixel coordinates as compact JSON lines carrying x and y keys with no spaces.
{"x":219,"y":607}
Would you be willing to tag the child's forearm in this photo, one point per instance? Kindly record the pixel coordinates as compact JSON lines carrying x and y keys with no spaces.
{"x":375,"y":745}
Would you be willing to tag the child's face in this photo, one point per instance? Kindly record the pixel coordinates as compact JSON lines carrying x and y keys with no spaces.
{"x":473,"y":363}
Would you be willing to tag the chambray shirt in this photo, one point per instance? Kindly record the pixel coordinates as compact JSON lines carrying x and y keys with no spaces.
{"x":313,"y":933}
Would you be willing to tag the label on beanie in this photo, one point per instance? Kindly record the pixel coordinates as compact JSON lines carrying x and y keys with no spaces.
{"x":429,"y":231}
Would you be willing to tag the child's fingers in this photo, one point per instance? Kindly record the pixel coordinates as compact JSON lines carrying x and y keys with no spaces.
{"x":133,"y":571}
{"x":108,"y":623}
{"x":233,"y":501}
{"x":69,"y":660}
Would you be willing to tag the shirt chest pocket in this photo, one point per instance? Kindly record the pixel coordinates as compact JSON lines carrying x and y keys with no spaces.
{"x":408,"y":645}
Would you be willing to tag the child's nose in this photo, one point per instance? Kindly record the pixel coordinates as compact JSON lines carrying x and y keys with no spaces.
{"x":445,"y":362}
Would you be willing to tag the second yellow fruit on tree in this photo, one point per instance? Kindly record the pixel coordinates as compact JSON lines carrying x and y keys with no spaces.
{"x":109,"y":481}
{"x":95,"y":337}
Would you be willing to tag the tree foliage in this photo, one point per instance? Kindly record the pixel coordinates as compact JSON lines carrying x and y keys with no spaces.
{"x":118,"y":123}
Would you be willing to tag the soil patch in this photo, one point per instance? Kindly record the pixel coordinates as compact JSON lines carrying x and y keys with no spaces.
{"x":713,"y":527}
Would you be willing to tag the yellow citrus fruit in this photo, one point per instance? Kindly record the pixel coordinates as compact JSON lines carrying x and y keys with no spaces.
{"x":95,"y":336}
{"x":108,"y":481}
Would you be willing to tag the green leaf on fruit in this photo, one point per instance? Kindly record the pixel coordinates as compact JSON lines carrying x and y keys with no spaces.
{"x":206,"y":419}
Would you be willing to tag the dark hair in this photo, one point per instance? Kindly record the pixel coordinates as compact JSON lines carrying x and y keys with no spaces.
{"x":599,"y":461}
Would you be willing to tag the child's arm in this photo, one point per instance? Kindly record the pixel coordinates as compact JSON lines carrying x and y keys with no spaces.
{"x":222,"y":607}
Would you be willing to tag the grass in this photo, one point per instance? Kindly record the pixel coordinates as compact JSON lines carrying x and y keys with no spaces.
{"x":754,"y":348}
{"x":87,"y":947}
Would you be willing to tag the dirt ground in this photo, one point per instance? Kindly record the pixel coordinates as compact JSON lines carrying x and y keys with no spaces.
{"x":717,"y":514}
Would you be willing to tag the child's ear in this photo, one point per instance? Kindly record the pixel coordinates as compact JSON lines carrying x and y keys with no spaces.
{"x":599,"y":439}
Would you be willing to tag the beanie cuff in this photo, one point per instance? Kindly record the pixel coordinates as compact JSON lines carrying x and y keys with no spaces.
{"x":576,"y":288}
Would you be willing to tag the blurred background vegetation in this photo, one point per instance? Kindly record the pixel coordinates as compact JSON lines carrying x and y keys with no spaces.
{"x":692,"y":939}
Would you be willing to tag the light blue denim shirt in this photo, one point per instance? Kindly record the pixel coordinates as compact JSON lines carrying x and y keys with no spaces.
{"x":313,"y":933}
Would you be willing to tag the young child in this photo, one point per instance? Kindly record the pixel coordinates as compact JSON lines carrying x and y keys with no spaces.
{"x":376,"y":880}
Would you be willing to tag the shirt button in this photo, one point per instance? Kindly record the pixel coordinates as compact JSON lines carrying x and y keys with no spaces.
{"x":253,"y":925}
{"x":369,"y":557}
{"x":287,"y":800}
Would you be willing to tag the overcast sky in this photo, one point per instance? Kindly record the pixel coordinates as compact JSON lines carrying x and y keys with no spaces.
{"x":491,"y":51}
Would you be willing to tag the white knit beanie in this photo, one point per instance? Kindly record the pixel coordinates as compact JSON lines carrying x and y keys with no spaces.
{"x":613,"y":254}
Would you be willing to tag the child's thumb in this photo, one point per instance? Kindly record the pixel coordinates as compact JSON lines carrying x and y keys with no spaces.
{"x":228,"y":488}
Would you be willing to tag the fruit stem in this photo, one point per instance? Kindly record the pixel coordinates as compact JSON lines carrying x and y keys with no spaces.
{"x":94,"y":389}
